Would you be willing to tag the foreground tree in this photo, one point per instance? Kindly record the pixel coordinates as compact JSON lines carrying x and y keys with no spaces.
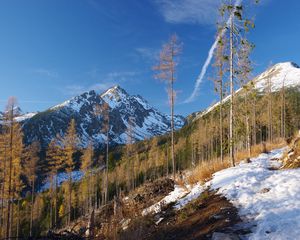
{"x":166,"y":72}
{"x":14,"y":137}
{"x":70,"y":143}
{"x":221,"y":61}
{"x":245,"y":68}
{"x":103,"y":110}
{"x":86,"y":166}
{"x":235,"y":20}
{"x":129,"y":149}
{"x":31,"y":158}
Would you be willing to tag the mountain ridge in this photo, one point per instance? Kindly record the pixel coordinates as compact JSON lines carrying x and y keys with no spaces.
{"x":285,"y":74}
{"x":148,"y":121}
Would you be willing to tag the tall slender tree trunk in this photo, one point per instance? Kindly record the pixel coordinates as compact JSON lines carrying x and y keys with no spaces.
{"x":31,"y":210}
{"x":89,"y":193}
{"x":11,"y":221}
{"x":18,"y":218}
{"x":269,"y":109}
{"x":167,"y":159}
{"x":172,"y":128}
{"x":166,"y":69}
{"x":254,"y":138}
{"x":248,"y":136}
{"x":55,"y":200}
{"x":283,"y":111}
{"x":106,"y":174}
{"x":2,"y":210}
{"x":51,"y":204}
{"x":193,"y":154}
{"x":70,"y":198}
{"x":8,"y":224}
{"x":3,"y":193}
{"x":221,"y":121}
{"x":231,"y":122}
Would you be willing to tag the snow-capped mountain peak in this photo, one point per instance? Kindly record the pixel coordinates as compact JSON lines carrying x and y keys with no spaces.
{"x":125,"y":109}
{"x":285,"y":74}
{"x":115,"y":91}
{"x":114,"y":96}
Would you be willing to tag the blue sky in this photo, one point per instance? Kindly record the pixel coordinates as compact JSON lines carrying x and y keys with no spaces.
{"x":52,"y":50}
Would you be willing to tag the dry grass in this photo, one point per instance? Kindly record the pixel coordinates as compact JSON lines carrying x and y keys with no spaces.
{"x":277,"y":143}
{"x":291,"y":159}
{"x":260,"y":148}
{"x":180,"y":182}
{"x":204,"y":171}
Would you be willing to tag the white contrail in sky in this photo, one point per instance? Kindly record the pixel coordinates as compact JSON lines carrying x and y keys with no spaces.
{"x":208,"y":60}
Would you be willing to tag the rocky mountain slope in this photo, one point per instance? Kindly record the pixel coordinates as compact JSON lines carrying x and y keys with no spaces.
{"x":147,"y":121}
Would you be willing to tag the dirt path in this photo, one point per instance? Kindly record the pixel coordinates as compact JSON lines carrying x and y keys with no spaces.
{"x":198,"y":220}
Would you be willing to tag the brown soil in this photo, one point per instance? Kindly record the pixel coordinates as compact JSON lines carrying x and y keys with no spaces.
{"x":150,"y":193}
{"x":198,"y":220}
{"x":140,"y":198}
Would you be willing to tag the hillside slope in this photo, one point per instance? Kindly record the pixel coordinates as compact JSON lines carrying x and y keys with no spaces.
{"x":285,"y":74}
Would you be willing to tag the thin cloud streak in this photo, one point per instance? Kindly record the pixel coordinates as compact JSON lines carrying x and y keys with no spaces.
{"x":110,"y":79}
{"x":30,"y":101}
{"x":45,"y":72}
{"x":202,"y":12}
{"x":208,"y":61}
{"x":149,"y":54}
{"x":73,"y":90}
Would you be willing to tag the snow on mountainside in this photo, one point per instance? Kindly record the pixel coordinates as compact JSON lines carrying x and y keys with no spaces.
{"x":147,"y":122}
{"x":285,"y":74}
{"x":282,"y":74}
{"x":25,"y":116}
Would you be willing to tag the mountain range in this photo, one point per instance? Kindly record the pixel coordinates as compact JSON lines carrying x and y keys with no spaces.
{"x":147,"y":121}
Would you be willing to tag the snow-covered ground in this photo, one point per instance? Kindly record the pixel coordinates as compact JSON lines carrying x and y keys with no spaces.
{"x":178,"y":193}
{"x":194,"y":192}
{"x":63,"y":177}
{"x":180,"y":196}
{"x":269,"y":200}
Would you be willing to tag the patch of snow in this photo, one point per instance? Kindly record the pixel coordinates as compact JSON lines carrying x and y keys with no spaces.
{"x":25,"y":116}
{"x":267,"y":198}
{"x":115,"y":96}
{"x":125,"y":223}
{"x":181,"y":196}
{"x":142,"y":101}
{"x":178,"y":193}
{"x":65,"y":103}
{"x":158,"y":221}
{"x":194,"y":193}
{"x":76,"y":177}
{"x":63,"y":177}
